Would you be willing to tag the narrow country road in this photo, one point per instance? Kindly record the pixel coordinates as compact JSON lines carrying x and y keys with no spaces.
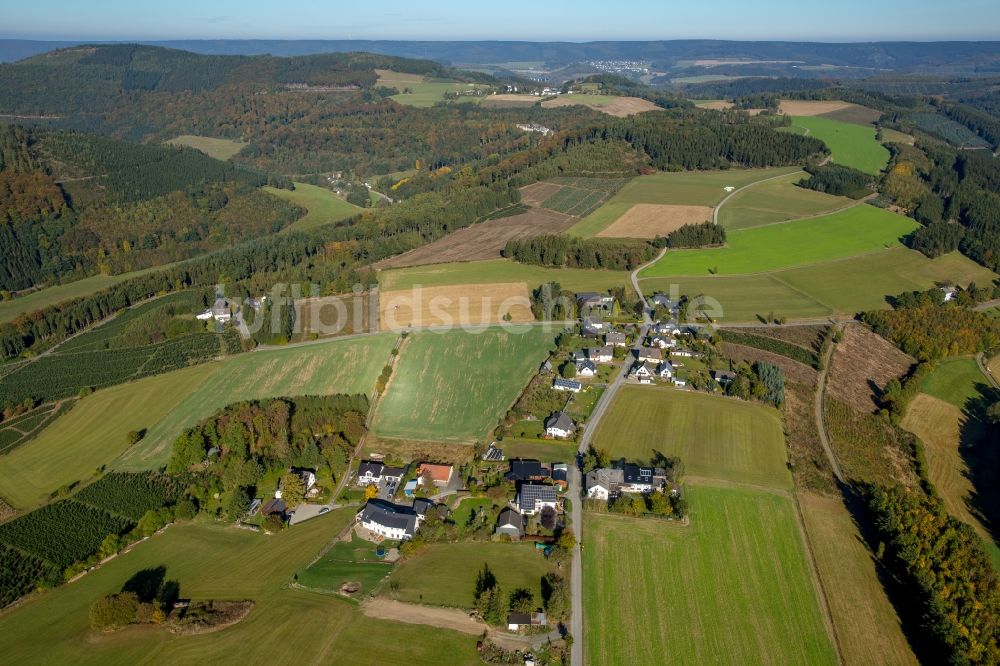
{"x":715,"y":211}
{"x":575,"y":478}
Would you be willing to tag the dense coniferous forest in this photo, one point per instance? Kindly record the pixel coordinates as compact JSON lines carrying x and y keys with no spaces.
{"x":565,"y":251}
{"x":839,"y":180}
{"x":695,"y":235}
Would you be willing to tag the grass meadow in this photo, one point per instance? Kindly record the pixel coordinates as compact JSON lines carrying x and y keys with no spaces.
{"x":323,"y":206}
{"x":957,"y":382}
{"x":867,"y":625}
{"x":690,"y":188}
{"x":220,"y":149}
{"x":455,"y":385}
{"x":733,"y":587}
{"x":838,"y":287}
{"x":213,"y":562}
{"x":92,"y":433}
{"x":715,"y":437}
{"x":499,"y":271}
{"x":424,"y":93}
{"x":776,"y":201}
{"x":852,"y":145}
{"x":445,"y":574}
{"x":337,"y":366}
{"x":846,"y":233}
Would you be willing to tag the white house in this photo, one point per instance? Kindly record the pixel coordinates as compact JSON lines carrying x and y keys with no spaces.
{"x":560,"y":384}
{"x":643,"y":372}
{"x":586,"y":368}
{"x":219,"y":311}
{"x":392,"y":521}
{"x":614,"y":339}
{"x":559,"y":425}
{"x":682,"y":351}
{"x":665,"y":370}
{"x":603,"y":483}
{"x":650,"y":355}
{"x":724,"y":377}
{"x":662,"y":342}
{"x":601,"y":354}
{"x":369,"y":472}
{"x":533,"y":497}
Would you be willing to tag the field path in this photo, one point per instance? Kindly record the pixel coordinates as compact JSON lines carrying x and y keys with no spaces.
{"x":715,"y":213}
{"x":818,"y":414}
{"x":985,"y":369}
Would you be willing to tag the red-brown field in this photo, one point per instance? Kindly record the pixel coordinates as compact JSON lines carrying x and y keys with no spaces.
{"x":484,"y":240}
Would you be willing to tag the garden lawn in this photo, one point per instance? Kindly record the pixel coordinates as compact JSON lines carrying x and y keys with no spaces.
{"x":688,"y":188}
{"x":499,"y":271}
{"x":337,"y":366}
{"x":455,"y":385}
{"x":346,"y":562}
{"x":323,"y":206}
{"x":868,"y":627}
{"x":852,"y":145}
{"x":444,"y":574}
{"x":846,"y":233}
{"x":777,"y":201}
{"x":715,"y":437}
{"x":734,"y":587}
{"x":210,"y":562}
{"x":92,"y":434}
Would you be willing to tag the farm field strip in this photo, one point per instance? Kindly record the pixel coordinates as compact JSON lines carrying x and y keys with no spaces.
{"x":499,"y":271}
{"x":715,"y":437}
{"x":851,"y":145}
{"x":322,"y":206}
{"x":867,"y":626}
{"x":842,"y":287}
{"x":456,"y":305}
{"x":337,"y":366}
{"x":455,"y":385}
{"x":734,"y":587}
{"x":847,"y":233}
{"x":694,"y":188}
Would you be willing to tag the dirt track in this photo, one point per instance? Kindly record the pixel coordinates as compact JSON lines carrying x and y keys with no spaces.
{"x":443,"y":618}
{"x":484,"y":240}
{"x":619,"y":107}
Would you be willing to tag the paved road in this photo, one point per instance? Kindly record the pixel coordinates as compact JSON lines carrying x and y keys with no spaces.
{"x":575,"y":477}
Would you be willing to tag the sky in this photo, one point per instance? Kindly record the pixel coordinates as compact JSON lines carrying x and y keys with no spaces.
{"x":531,"y":20}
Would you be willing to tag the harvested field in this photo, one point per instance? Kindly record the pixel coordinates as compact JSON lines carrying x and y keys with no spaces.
{"x":863,"y":362}
{"x":855,"y":115}
{"x":466,"y":304}
{"x":536,"y":193}
{"x":793,"y":371}
{"x":652,"y":220}
{"x":618,"y":106}
{"x":344,"y":314}
{"x":715,"y":105}
{"x":509,"y":101}
{"x":796,"y":107}
{"x":484,"y":240}
{"x":867,"y":625}
{"x":404,"y":449}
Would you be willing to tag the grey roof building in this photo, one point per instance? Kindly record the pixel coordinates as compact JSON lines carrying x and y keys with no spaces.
{"x":532,"y":497}
{"x":510,"y":523}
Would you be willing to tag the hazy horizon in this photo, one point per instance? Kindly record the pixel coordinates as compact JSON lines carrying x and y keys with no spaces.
{"x":851,"y":21}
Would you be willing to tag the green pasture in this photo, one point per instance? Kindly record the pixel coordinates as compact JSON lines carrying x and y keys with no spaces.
{"x":219,"y":563}
{"x":733,"y":587}
{"x":777,"y":201}
{"x":220,"y":149}
{"x":323,"y":206}
{"x":851,"y":145}
{"x":337,"y":366}
{"x":455,"y":385}
{"x":498,"y":271}
{"x":714,"y":436}
{"x":846,"y":233}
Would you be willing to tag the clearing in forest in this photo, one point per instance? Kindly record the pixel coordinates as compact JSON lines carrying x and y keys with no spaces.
{"x":653,"y":220}
{"x":455,"y":385}
{"x":322,"y":206}
{"x":612,"y":105}
{"x":733,"y":587}
{"x":460,"y":305}
{"x":220,"y":149}
{"x":851,"y":145}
